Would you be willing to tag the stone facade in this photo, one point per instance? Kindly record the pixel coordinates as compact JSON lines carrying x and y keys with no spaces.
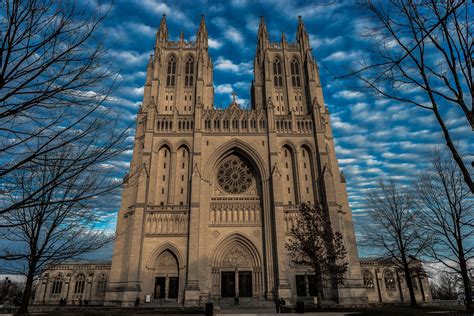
{"x":381,"y":278}
{"x":212,"y":193}
{"x":73,"y":282}
{"x":386,"y":284}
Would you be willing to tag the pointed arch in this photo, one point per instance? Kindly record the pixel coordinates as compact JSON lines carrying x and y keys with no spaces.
{"x":171,"y":71}
{"x":242,"y":148}
{"x":289,"y":182}
{"x":163,"y":167}
{"x":234,"y":241}
{"x":295,"y":72}
{"x":182,"y":174}
{"x":189,"y":71}
{"x":167,"y":246}
{"x":307,"y":174}
{"x":277,"y":72}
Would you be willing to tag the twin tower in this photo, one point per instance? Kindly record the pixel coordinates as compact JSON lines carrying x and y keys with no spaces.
{"x":212,"y":194}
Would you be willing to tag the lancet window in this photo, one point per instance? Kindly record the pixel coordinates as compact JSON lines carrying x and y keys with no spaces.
{"x":295,"y":73}
{"x":171,"y":72}
{"x":189,"y":72}
{"x":277,"y":76}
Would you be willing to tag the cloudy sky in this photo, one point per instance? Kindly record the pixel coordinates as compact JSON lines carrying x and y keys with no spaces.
{"x":374,"y":138}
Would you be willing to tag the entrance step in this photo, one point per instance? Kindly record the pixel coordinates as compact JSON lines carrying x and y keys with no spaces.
{"x":245,"y":302}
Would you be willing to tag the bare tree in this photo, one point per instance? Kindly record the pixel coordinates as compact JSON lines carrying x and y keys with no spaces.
{"x":313,"y":243}
{"x":423,"y":46}
{"x":392,"y":229}
{"x":447,"y":210}
{"x":53,"y":84}
{"x":49,"y":233}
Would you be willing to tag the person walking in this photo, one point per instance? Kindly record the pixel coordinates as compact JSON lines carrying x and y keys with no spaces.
{"x":236,"y":301}
{"x":277,"y":305}
{"x":137,"y":302}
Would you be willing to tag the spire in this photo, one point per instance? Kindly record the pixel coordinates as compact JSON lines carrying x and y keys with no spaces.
{"x":283,"y":39}
{"x":162,"y":34}
{"x":149,"y":70}
{"x":262,"y":34}
{"x":201,"y":37}
{"x":301,"y":35}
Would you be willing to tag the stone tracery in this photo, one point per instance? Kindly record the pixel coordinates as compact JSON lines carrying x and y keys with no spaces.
{"x":234,"y":176}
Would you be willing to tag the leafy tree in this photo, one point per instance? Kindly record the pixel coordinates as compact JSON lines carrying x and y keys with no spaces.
{"x":313,"y":243}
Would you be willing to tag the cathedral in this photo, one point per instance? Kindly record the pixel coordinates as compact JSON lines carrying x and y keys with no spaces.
{"x":212,"y":193}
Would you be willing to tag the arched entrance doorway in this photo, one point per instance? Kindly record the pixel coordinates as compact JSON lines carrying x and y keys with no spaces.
{"x":166,"y":277}
{"x":236,"y":268}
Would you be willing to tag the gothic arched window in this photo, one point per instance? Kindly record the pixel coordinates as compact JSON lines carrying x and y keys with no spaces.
{"x":171,"y":73}
{"x":189,"y":72}
{"x":102,"y":284}
{"x":389,"y":280}
{"x":368,"y":280}
{"x":57,"y":285}
{"x":80,"y":282}
{"x":277,"y":77}
{"x":295,"y":73}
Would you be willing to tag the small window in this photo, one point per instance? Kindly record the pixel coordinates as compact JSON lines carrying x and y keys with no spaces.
{"x":164,"y":165}
{"x":286,"y":165}
{"x":289,"y":190}
{"x":162,"y":190}
{"x":164,"y":177}
{"x":287,"y":177}
{"x":182,"y":190}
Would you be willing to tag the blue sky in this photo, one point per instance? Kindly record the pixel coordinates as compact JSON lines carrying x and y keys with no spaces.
{"x":374,"y":138}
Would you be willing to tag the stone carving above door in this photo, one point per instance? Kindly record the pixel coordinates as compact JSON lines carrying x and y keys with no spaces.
{"x":236,"y":256}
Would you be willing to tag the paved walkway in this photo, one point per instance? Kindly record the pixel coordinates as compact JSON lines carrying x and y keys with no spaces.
{"x":271,"y":312}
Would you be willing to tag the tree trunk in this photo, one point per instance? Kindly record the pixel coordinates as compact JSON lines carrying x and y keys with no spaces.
{"x":466,"y":283}
{"x":409,"y":282}
{"x":319,"y":280}
{"x":457,"y":158}
{"x":26,"y":295}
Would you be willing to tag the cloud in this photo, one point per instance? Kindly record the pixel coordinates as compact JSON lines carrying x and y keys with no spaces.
{"x":214,"y":43}
{"x":317,"y":42}
{"x":160,"y":8}
{"x":224,"y":88}
{"x":129,"y":57}
{"x":228,"y":88}
{"x":343,"y":56}
{"x":228,"y":65}
{"x":233,"y":35}
{"x":348,"y":94}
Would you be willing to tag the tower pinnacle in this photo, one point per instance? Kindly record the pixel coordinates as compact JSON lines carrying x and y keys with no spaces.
{"x":201,"y":37}
{"x":262,"y":34}
{"x":162,"y":33}
{"x":301,"y":35}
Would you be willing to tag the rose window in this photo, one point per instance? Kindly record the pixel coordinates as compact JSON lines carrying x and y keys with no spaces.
{"x":234,"y":176}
